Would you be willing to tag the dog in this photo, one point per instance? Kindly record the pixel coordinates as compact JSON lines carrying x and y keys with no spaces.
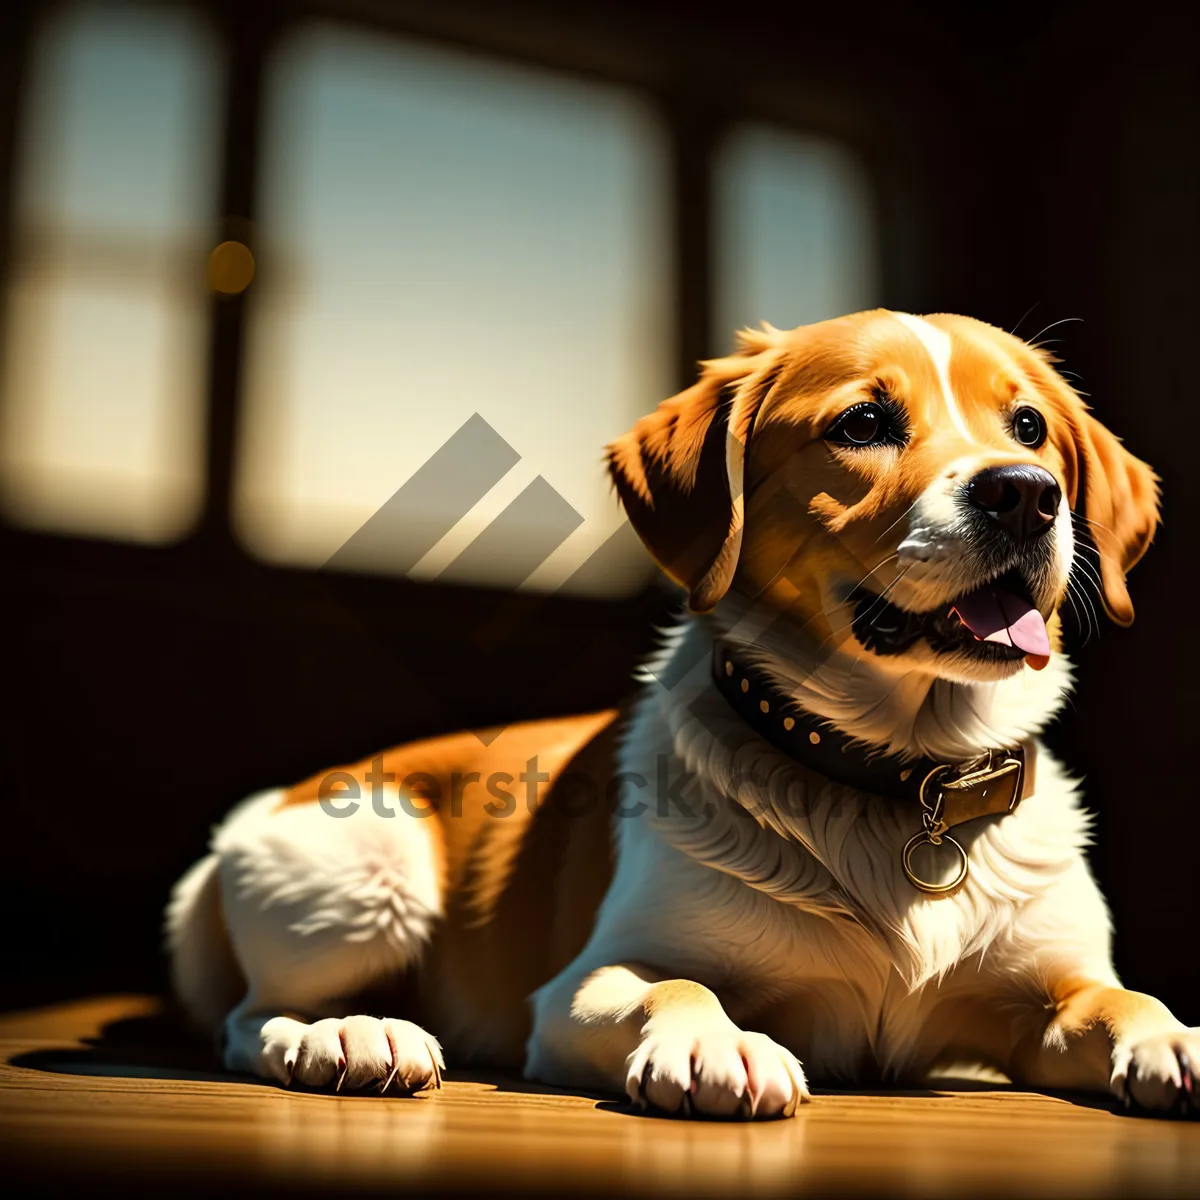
{"x":823,"y":841}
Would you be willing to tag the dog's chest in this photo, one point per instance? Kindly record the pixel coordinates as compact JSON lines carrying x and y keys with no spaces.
{"x":857,"y":993}
{"x":865,"y":982}
{"x":850,"y":1013}
{"x":845,"y":1035}
{"x":791,"y":900}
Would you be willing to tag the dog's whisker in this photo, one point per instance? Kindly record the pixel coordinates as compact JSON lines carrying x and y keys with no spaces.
{"x":1053,"y":325}
{"x":897,"y":520}
{"x":1089,"y":571}
{"x":1082,"y":617}
{"x":882,"y":563}
{"x":826,"y":613}
{"x":1078,"y":516}
{"x":1013,"y":330}
{"x":1084,"y":548}
{"x":1074,"y":607}
{"x":863,"y":616}
{"x":1090,"y":608}
{"x":882,"y":596}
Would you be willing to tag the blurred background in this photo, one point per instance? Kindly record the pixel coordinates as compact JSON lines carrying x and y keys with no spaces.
{"x":316,"y":317}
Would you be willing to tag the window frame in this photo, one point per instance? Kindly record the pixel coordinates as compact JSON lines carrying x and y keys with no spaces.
{"x":250,"y":33}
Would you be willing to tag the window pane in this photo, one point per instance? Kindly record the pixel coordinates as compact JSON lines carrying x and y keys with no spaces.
{"x":447,"y":238}
{"x":119,"y":125}
{"x":94,"y":443}
{"x":101,"y":428}
{"x":796,"y":234}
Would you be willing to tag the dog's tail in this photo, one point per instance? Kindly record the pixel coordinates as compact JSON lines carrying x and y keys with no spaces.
{"x":205,"y":974}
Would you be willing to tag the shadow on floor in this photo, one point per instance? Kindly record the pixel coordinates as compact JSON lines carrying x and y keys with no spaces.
{"x":151,"y":1046}
{"x":161,"y":1046}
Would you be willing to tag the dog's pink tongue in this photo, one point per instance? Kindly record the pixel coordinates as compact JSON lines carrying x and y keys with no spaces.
{"x":995,"y":614}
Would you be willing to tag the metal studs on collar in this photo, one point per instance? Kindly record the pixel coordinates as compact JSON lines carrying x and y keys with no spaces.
{"x":764,"y":706}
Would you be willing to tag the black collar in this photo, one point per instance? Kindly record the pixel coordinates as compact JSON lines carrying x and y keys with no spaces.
{"x":813,"y":741}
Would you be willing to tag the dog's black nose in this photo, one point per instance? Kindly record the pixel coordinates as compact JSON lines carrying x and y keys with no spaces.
{"x":1022,"y":499}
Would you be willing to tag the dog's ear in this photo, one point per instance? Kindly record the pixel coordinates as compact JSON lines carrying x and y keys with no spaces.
{"x":679,"y":470}
{"x":1115,"y":493}
{"x":1118,"y":495}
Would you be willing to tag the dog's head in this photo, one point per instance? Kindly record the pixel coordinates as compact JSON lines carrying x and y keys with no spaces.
{"x":903,"y":486}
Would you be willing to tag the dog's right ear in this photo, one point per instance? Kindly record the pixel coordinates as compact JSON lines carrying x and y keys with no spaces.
{"x":679,"y":470}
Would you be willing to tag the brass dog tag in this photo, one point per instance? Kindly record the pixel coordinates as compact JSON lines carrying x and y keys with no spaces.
{"x":983,"y":792}
{"x":995,"y":784}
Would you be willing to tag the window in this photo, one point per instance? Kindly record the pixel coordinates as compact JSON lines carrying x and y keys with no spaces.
{"x":462,"y":293}
{"x":462,"y":297}
{"x":795,"y":231}
{"x":101,"y":423}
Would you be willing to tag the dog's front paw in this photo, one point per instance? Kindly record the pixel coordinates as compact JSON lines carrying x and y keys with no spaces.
{"x":716,"y":1072}
{"x":1159,"y":1074}
{"x":352,"y":1053}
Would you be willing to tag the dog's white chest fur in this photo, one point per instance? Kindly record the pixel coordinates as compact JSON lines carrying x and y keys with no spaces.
{"x":788,"y":887}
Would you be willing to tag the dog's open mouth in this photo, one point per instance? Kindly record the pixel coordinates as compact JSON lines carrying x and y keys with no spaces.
{"x":997,"y":622}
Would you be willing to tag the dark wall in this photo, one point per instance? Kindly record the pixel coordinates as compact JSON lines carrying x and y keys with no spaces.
{"x":1089,"y":208}
{"x":1022,"y":157}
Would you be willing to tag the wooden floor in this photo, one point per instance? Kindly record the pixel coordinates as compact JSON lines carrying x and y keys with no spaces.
{"x":105,"y":1091}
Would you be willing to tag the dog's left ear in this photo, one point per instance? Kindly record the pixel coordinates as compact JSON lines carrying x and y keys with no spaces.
{"x":679,"y":470}
{"x":1115,"y":492}
{"x":1118,"y":495}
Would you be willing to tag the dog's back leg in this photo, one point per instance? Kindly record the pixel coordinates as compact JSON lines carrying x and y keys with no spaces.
{"x":205,"y":976}
{"x":318,"y":909}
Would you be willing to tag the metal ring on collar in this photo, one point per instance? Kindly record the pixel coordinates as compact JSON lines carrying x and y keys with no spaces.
{"x":933,"y":889}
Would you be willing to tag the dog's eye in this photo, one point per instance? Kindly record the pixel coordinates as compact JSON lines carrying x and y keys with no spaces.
{"x":868,"y":424}
{"x":1029,"y":427}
